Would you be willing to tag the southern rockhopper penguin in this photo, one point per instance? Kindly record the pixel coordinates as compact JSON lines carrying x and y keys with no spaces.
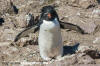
{"x":50,"y":39}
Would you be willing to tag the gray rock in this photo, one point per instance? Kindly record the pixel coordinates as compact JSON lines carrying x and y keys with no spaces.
{"x":4,"y":44}
{"x":21,"y":21}
{"x":86,"y":24}
{"x":8,"y":35}
{"x":96,"y":40}
{"x":86,"y":60}
{"x":82,"y":3}
{"x":7,"y":6}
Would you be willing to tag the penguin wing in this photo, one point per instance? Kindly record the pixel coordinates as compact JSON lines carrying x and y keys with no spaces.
{"x":70,"y":26}
{"x":25,"y":32}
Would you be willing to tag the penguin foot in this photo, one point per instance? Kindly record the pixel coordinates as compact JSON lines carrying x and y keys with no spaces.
{"x":59,"y":57}
{"x":47,"y":58}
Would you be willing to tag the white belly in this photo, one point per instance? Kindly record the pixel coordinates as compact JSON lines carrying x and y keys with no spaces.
{"x":50,"y":38}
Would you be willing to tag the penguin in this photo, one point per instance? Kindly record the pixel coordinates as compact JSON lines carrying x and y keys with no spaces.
{"x":50,"y":39}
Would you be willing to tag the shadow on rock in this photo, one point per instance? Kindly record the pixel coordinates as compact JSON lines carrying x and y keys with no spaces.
{"x":98,"y":1}
{"x":71,"y":49}
{"x":14,"y":8}
{"x":93,"y":54}
{"x":1,"y":21}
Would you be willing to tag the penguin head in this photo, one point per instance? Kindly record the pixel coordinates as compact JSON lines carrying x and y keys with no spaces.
{"x":48,"y":13}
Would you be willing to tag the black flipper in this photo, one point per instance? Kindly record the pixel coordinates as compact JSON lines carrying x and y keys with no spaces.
{"x":70,"y":26}
{"x":28,"y":30}
{"x":25,"y":32}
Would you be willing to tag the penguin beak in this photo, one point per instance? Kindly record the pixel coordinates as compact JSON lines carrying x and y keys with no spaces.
{"x":49,"y":15}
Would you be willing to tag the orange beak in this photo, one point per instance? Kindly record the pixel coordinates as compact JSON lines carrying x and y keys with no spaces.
{"x":49,"y":15}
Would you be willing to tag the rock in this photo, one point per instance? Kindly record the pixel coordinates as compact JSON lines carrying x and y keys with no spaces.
{"x":21,"y":21}
{"x":93,"y":54}
{"x":31,"y":6}
{"x":8,"y":35}
{"x":25,"y":20}
{"x":86,"y":60}
{"x":86,"y":24}
{"x":82,"y":3}
{"x":73,"y":2}
{"x":97,"y":61}
{"x":83,"y":48}
{"x":87,"y":3}
{"x":89,"y":26}
{"x":96,"y":13}
{"x":46,"y":1}
{"x":98,"y":1}
{"x":12,"y":9}
{"x":78,"y":17}
{"x":5,"y":43}
{"x":22,"y":42}
{"x":7,"y":6}
{"x":9,"y":25}
{"x":97,"y":40}
{"x":4,"y":6}
{"x":9,"y":21}
{"x":31,"y":40}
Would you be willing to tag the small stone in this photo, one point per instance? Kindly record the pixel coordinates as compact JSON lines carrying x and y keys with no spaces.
{"x":22,"y":42}
{"x":83,"y":48}
{"x":97,"y":40}
{"x":96,"y":13}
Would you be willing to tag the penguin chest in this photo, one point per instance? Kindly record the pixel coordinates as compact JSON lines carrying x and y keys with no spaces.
{"x":50,"y":35}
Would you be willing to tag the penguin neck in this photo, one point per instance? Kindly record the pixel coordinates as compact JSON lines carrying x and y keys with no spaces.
{"x":50,"y":25}
{"x":55,"y":20}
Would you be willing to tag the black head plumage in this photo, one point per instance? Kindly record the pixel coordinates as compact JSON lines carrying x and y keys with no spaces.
{"x":48,"y":13}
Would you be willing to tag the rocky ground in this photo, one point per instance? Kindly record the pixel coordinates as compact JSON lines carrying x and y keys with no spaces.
{"x":79,"y":49}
